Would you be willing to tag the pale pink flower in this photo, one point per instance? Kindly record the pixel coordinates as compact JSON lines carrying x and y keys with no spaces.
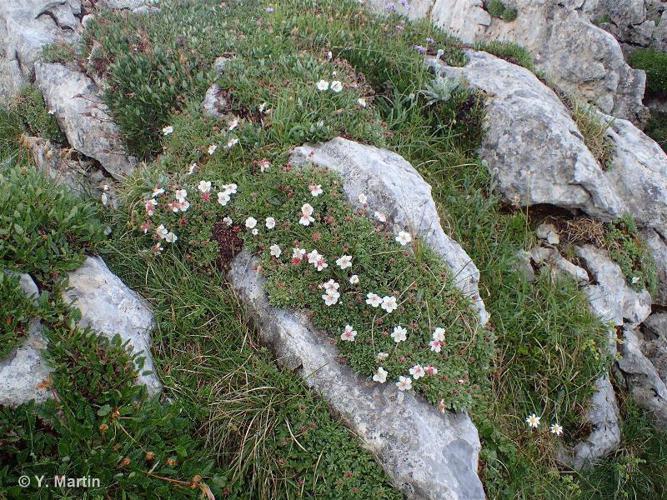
{"x":404,"y":238}
{"x":315,"y":189}
{"x":399,"y":334}
{"x":298,"y":255}
{"x":431,"y":370}
{"x":306,"y":215}
{"x":380,"y":375}
{"x":404,"y":383}
{"x":348,"y":334}
{"x":417,"y":372}
{"x":373,"y":300}
{"x":389,"y":304}
{"x":344,"y":262}
{"x":436,"y":345}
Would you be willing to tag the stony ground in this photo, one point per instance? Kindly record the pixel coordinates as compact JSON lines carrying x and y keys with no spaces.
{"x":318,"y":249}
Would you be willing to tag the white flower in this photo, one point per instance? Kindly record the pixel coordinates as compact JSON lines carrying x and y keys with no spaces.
{"x":168,"y":130}
{"x":533,"y":421}
{"x":181,"y":194}
{"x":212,"y":148}
{"x":404,"y":383}
{"x":361,"y":102}
{"x":389,"y":304}
{"x":417,"y":372}
{"x":250,"y":222}
{"x":317,"y":260}
{"x":184,"y":205}
{"x":192,"y":169}
{"x":380,"y":375}
{"x":233,"y":124}
{"x":344,"y":262}
{"x":635,"y":280}
{"x":297,"y":255}
{"x":105,"y":199}
{"x":150,"y":206}
{"x":204,"y":186}
{"x":170,"y":237}
{"x":262,"y":107}
{"x":556,"y":429}
{"x":231,"y":143}
{"x":230,"y":188}
{"x":161,"y":231}
{"x":157,"y":192}
{"x":315,"y":190}
{"x":329,"y":55}
{"x":381,"y":356}
{"x":255,"y":232}
{"x":436,"y":345}
{"x":264,"y":165}
{"x":330,"y":298}
{"x":270,"y":223}
{"x":380,"y":216}
{"x":373,"y":300}
{"x":275,"y":250}
{"x":348,"y":334}
{"x":404,"y":238}
{"x":228,"y":221}
{"x":354,"y":279}
{"x":399,"y":334}
{"x":306,"y":215}
{"x":336,"y":86}
{"x":363,"y":199}
{"x":322,"y":85}
{"x":223,"y":198}
{"x":330,"y":286}
{"x":439,"y":334}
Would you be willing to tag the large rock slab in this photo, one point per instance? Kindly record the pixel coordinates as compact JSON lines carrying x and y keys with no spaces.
{"x":76,"y":102}
{"x":109,"y":307}
{"x":393,"y":187}
{"x":532,"y":146}
{"x":426,"y":453}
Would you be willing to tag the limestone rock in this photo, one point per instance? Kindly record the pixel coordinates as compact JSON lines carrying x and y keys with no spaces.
{"x":109,"y":307}
{"x":647,"y":388}
{"x":84,"y":118}
{"x":560,"y":265}
{"x":393,"y":187}
{"x":532,"y":146}
{"x":654,"y":345}
{"x":427,"y":454}
{"x":549,"y":233}
{"x":605,"y":437}
{"x":658,"y":247}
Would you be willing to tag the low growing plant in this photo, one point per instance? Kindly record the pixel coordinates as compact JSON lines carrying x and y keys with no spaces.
{"x":15,"y":314}
{"x":498,"y":9}
{"x":594,"y":130}
{"x":654,"y":62}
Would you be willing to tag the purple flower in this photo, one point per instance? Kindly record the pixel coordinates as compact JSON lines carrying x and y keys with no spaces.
{"x":420,"y":49}
{"x":404,"y":4}
{"x":269,"y":10}
{"x":391,"y":7}
{"x":430,"y":40}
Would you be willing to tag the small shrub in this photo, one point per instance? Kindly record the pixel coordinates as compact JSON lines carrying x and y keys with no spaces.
{"x":656,"y":129}
{"x":15,"y":314}
{"x":44,"y":228}
{"x":498,"y":9}
{"x":62,"y":53}
{"x":629,"y":251}
{"x":654,"y":62}
{"x":34,"y":116}
{"x":509,"y":51}
{"x":594,"y":130}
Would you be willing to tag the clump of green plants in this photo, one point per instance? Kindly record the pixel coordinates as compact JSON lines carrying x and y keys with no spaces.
{"x":594,"y":130}
{"x":31,"y":111}
{"x":654,"y":62}
{"x":628,"y":250}
{"x":44,"y":229}
{"x":498,"y":9}
{"x":15,"y":315}
{"x":510,"y":51}
{"x":62,"y":53}
{"x":657,"y":129}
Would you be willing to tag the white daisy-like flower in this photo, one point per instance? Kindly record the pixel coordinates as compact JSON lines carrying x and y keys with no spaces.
{"x":228,"y":221}
{"x":404,"y":238}
{"x":211,"y":149}
{"x":381,"y":356}
{"x":399,"y":334}
{"x":330,"y":298}
{"x":363,"y":199}
{"x":184,"y":206}
{"x":250,"y":222}
{"x":322,"y":85}
{"x":336,"y":86}
{"x":170,"y":237}
{"x":161,"y":231}
{"x":230,"y":188}
{"x":306,"y":214}
{"x":381,"y":217}
{"x":533,"y":421}
{"x":344,"y":261}
{"x":373,"y":300}
{"x":361,"y":102}
{"x":417,"y":372}
{"x":317,"y":260}
{"x":404,"y":383}
{"x":231,"y":143}
{"x":389,"y":304}
{"x":436,"y":345}
{"x":354,"y":279}
{"x":180,"y":194}
{"x":439,"y":334}
{"x":315,"y":190}
{"x":380,"y":375}
{"x":270,"y":223}
{"x":276,"y":251}
{"x":204,"y":186}
{"x":556,"y":429}
{"x":348,"y":334}
{"x":297,"y":255}
{"x":168,"y":130}
{"x":255,"y":232}
{"x":223,"y":198}
{"x":330,"y":286}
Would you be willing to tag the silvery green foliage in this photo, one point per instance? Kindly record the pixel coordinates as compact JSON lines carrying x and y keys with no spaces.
{"x":441,"y":89}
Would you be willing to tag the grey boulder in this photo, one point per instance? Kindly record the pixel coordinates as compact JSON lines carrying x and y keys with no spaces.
{"x":427,"y":454}
{"x":394,"y":188}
